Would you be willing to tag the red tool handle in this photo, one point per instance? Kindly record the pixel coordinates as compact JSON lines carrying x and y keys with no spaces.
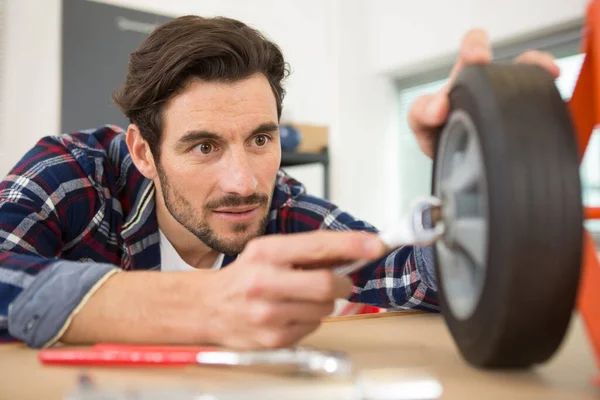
{"x":123,"y":354}
{"x":115,"y":358}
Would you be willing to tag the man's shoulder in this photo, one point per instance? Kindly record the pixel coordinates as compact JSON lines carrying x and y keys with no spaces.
{"x":105,"y":141}
{"x":96,"y":155}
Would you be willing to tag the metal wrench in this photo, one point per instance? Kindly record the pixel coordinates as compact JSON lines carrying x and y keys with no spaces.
{"x":409,"y":230}
{"x":304,"y":360}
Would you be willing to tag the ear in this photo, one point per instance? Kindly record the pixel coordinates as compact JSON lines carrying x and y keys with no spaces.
{"x":140,"y":152}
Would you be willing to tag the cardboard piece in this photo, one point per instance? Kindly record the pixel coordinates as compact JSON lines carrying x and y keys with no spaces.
{"x":315,"y":138}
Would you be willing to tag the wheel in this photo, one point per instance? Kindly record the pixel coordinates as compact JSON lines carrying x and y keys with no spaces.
{"x":506,"y":169}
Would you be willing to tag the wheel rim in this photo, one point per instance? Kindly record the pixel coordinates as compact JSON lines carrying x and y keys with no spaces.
{"x":461,"y":184}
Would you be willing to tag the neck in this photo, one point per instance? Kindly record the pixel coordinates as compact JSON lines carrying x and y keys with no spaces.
{"x":191,"y":249}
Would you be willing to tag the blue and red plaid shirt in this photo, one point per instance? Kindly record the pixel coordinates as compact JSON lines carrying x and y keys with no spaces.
{"x":79,"y":198}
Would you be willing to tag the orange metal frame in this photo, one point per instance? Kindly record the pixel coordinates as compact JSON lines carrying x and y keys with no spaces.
{"x":585,"y":111}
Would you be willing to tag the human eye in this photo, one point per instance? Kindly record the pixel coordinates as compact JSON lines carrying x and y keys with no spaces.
{"x":205,"y":148}
{"x":260,"y":140}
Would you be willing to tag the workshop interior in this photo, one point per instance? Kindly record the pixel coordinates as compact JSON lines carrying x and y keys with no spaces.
{"x":509,"y":202}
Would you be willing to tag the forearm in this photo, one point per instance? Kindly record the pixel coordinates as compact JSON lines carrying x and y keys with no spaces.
{"x":77,"y":302}
{"x":143,"y":307}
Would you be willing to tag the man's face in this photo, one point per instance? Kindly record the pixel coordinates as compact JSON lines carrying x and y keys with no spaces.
{"x":220,"y":153}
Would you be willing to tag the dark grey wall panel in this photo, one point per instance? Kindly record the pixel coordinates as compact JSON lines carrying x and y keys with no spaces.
{"x":96,"y":42}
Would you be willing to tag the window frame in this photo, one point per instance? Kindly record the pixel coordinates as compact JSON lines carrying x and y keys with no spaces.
{"x":560,"y":40}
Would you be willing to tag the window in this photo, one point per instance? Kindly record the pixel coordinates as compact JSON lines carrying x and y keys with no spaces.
{"x":415,"y":167}
{"x":563,"y":43}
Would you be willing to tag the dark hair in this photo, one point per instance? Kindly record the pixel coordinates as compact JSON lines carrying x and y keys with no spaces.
{"x":211,"y":49}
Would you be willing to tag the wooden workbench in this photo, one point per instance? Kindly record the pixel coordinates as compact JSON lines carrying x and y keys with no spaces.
{"x":392,"y":340}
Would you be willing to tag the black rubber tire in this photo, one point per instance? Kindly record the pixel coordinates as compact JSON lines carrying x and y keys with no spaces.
{"x":535,"y":216}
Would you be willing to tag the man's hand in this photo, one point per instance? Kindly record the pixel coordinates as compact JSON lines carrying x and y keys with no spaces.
{"x":271,"y":297}
{"x":429,"y":112}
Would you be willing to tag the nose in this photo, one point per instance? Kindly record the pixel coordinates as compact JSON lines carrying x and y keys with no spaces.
{"x":237,"y":176}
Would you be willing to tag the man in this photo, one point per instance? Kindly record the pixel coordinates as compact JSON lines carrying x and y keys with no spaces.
{"x":194,"y":185}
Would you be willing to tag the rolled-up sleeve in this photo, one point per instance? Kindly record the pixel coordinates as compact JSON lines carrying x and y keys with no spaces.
{"x":43,"y":311}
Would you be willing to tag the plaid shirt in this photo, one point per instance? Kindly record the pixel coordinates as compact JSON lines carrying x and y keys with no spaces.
{"x":79,"y":197}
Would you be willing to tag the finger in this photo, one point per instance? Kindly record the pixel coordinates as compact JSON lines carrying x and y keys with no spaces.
{"x":290,"y":312}
{"x":432,"y":110}
{"x":540,"y":58}
{"x":428,"y":112}
{"x":286,"y":336}
{"x":299,"y":285}
{"x":425,"y":116}
{"x":474,"y":49}
{"x":312,"y":247}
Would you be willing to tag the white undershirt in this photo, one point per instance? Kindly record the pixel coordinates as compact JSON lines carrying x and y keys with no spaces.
{"x":171,"y":261}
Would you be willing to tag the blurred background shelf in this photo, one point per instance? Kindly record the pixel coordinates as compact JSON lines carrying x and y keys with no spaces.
{"x":311,"y":169}
{"x":292,"y":158}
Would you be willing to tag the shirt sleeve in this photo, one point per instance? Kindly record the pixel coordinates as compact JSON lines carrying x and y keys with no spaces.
{"x":403,"y":279}
{"x":44,"y":309}
{"x":39,"y":292}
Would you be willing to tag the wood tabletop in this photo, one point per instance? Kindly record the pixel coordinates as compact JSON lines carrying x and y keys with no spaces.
{"x":389,"y":344}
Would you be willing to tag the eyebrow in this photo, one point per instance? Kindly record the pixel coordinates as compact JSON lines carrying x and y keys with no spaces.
{"x":195,"y":136}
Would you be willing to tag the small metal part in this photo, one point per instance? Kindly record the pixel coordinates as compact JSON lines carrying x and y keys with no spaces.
{"x":302,"y":359}
{"x":422,"y":226}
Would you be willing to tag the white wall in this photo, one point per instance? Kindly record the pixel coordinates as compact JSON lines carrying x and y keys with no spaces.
{"x":404,"y":35}
{"x":30,"y":97}
{"x":362,"y":111}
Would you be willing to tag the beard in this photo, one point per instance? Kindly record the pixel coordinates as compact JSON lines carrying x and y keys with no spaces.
{"x":183,"y":212}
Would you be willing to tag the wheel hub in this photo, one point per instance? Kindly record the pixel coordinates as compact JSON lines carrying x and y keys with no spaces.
{"x":462,"y":250}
